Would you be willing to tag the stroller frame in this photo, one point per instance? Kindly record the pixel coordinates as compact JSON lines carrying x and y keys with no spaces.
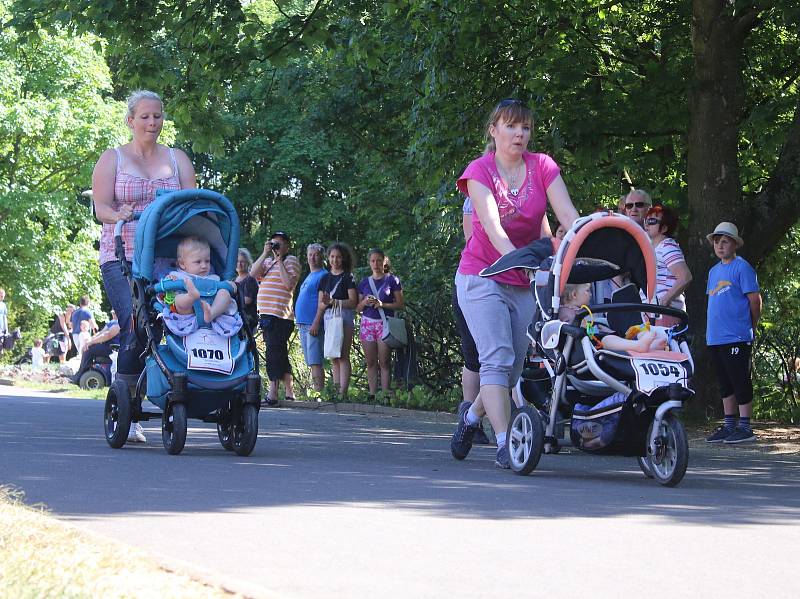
{"x":236,"y":418}
{"x":652,"y":433}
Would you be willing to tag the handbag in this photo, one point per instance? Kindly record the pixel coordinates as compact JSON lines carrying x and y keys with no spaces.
{"x":334,"y":333}
{"x":394,"y":328}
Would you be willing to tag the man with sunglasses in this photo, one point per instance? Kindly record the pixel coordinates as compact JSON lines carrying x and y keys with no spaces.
{"x":636,"y":205}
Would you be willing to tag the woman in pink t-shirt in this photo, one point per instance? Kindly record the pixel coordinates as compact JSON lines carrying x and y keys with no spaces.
{"x":509,"y":188}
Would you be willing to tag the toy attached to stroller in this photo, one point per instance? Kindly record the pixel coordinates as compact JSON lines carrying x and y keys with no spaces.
{"x":203,"y":375}
{"x":612,"y":402}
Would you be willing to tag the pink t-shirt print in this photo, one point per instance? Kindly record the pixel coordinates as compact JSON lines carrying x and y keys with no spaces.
{"x":520,"y":216}
{"x":506,"y":205}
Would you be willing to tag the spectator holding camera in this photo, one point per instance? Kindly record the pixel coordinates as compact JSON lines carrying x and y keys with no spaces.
{"x":277,"y":273}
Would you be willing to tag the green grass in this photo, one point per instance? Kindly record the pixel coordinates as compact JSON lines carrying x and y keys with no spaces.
{"x":66,"y":388}
{"x":43,"y":557}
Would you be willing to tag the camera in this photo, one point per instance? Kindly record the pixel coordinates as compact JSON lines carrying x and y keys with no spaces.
{"x":275,"y":245}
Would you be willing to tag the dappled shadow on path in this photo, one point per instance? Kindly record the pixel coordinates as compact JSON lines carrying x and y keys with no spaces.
{"x":55,"y":452}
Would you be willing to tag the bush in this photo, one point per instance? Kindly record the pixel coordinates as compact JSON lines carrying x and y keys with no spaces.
{"x":776,"y":383}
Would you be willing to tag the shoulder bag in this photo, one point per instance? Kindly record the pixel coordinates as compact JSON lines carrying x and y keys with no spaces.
{"x":394,"y":328}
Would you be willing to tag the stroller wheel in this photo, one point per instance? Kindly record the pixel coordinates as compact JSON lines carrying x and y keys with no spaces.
{"x":225,"y":430}
{"x":669,"y":464}
{"x":644,"y":466}
{"x":91,"y":379}
{"x":245,"y":431}
{"x":173,"y":428}
{"x":117,"y":414}
{"x":525,"y":439}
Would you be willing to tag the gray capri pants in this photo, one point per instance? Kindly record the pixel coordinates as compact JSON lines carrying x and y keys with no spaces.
{"x":498,"y":316}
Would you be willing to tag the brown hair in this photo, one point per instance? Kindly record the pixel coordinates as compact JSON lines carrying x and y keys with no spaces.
{"x":669,"y":218}
{"x":510,"y":111}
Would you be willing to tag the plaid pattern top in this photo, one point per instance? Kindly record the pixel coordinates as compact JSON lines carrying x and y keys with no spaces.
{"x":136,"y":192}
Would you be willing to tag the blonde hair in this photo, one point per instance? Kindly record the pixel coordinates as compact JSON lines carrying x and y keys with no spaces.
{"x":191,"y":243}
{"x":571,"y":290}
{"x":510,"y":111}
{"x":137,"y":96}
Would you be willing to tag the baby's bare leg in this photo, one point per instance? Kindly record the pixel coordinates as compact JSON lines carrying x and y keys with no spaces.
{"x":616,"y":343}
{"x":221,"y":302}
{"x":658,"y":343}
{"x":184,"y":302}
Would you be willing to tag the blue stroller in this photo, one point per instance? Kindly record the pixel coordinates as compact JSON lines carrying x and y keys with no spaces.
{"x":203,"y":376}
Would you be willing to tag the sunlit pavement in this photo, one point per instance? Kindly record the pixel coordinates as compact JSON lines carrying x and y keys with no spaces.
{"x":333,"y":505}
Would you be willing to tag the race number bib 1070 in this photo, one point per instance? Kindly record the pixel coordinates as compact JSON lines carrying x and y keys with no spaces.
{"x":208,"y":351}
{"x":652,"y":374}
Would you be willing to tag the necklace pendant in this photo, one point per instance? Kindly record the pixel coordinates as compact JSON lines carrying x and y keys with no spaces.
{"x":514,"y":191}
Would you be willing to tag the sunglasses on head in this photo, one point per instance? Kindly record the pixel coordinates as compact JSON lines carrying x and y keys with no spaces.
{"x":637,"y":204}
{"x":652,"y":221}
{"x":511,"y":102}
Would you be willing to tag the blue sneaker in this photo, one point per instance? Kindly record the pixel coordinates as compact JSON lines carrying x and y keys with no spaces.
{"x":461,"y":442}
{"x":502,"y":460}
{"x":740,"y":435}
{"x":719,"y":435}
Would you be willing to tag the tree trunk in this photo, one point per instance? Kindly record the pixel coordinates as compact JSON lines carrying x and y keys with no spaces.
{"x":716,"y":99}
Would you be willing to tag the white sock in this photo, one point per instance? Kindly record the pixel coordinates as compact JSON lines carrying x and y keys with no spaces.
{"x":472,"y":417}
{"x":501,"y":439}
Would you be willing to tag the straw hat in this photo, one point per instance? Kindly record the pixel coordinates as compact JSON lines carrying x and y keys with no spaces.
{"x":727,"y":229}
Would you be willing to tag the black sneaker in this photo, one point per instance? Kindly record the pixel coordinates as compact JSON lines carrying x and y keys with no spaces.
{"x":480,"y":437}
{"x":502,"y":459}
{"x":740,"y":435}
{"x":461,"y":442}
{"x":719,"y":435}
{"x":271,"y":403}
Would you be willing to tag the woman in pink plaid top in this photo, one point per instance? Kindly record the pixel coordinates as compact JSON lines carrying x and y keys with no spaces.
{"x":124,"y":181}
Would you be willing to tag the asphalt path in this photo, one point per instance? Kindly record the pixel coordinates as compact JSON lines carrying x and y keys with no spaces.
{"x":346,"y":505}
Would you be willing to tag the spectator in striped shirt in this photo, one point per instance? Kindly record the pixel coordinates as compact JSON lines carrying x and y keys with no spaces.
{"x":277,"y":273}
{"x":672,"y":274}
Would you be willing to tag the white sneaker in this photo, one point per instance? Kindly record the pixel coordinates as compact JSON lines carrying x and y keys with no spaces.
{"x":136,"y":434}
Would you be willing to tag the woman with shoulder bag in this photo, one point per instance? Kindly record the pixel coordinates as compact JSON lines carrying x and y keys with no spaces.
{"x":379,"y":295}
{"x":337,"y":300}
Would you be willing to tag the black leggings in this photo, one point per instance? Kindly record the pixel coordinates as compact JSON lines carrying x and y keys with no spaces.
{"x":276,"y":332}
{"x":468,"y":349}
{"x":732,"y":363}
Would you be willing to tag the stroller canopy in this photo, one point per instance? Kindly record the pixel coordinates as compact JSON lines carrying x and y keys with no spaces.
{"x":613,"y":239}
{"x":178,"y":214}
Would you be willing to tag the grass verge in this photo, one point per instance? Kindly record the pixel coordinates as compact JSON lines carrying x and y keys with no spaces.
{"x":73,"y":390}
{"x":42,"y":557}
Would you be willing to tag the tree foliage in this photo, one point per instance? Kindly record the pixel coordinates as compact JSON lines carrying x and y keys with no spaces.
{"x":54,"y":121}
{"x":352,"y":120}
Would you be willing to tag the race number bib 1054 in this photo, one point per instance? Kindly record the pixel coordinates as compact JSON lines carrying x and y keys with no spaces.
{"x":208,"y":351}
{"x":652,"y":374}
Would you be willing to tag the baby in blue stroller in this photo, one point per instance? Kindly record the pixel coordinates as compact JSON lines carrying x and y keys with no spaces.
{"x":203,"y":364}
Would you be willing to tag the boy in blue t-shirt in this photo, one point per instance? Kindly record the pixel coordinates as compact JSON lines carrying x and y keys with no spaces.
{"x":734,"y":307}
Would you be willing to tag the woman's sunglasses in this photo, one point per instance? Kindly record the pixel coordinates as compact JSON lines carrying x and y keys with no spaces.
{"x":511,"y":102}
{"x":652,"y":221}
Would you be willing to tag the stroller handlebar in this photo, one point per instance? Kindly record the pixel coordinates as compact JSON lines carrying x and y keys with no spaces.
{"x":119,"y":245}
{"x":632,"y":307}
